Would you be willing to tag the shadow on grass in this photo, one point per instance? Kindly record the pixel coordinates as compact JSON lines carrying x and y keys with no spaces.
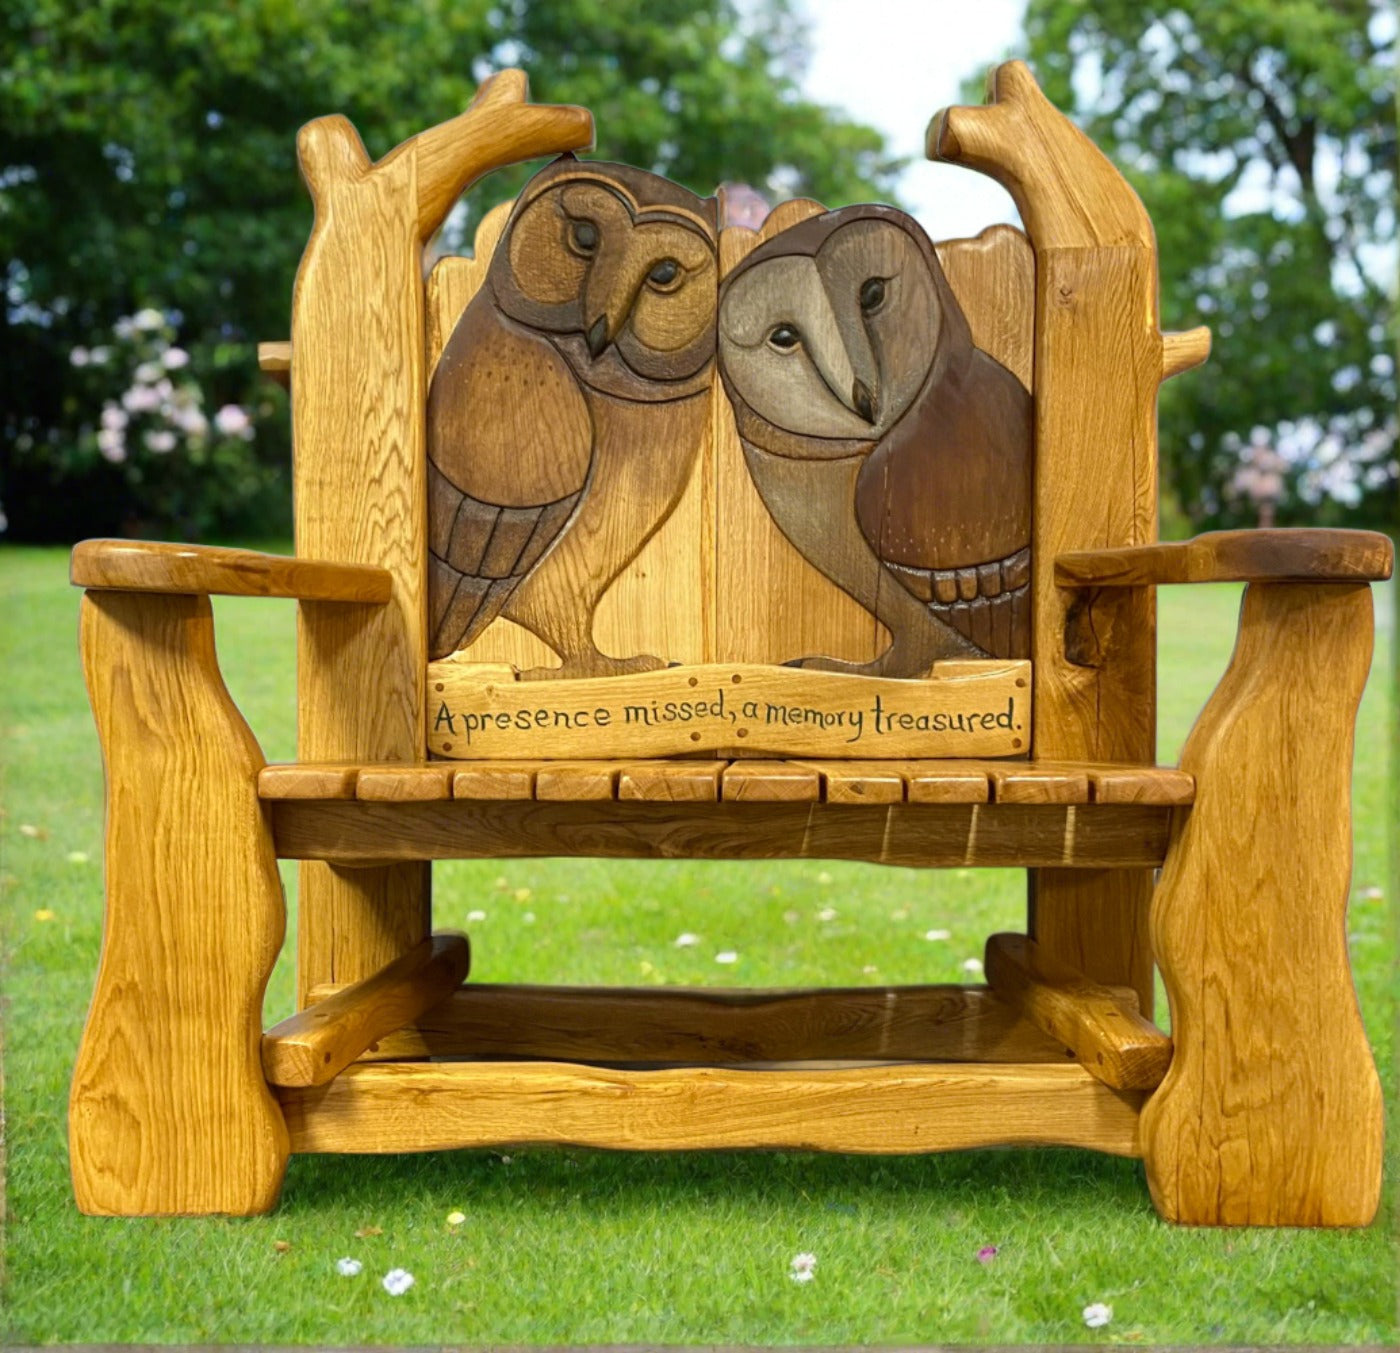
{"x":623,"y":1182}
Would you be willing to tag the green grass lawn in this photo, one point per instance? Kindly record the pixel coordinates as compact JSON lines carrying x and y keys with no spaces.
{"x":593,"y":1248}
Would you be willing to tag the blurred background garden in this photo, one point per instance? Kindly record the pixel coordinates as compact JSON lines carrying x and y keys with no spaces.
{"x":151,"y":215}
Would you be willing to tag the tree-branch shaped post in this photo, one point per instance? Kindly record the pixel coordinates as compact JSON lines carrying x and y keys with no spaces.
{"x":1099,"y":359}
{"x":359,"y":390}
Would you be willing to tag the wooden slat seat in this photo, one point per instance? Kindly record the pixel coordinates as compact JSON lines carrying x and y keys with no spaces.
{"x":835,"y":782}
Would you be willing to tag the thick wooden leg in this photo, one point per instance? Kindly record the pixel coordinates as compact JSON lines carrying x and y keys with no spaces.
{"x":1271,"y":1111}
{"x":169,"y":1112}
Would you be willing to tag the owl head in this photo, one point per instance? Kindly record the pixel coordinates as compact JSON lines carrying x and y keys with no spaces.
{"x":829,"y":330}
{"x":617,"y":267}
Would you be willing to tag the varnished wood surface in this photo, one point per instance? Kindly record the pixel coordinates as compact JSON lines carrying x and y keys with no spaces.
{"x":755,"y":780}
{"x":159,"y":566}
{"x":1271,"y":1113}
{"x":969,"y":709}
{"x":1294,"y":554}
{"x":891,"y":451}
{"x":359,"y":468}
{"x":406,"y":1106}
{"x":1103,"y":1028}
{"x":168,"y":1111}
{"x":1091,"y":836}
{"x":707,"y":1026}
{"x":1099,"y":360}
{"x":568,"y":406}
{"x":275,"y":360}
{"x":786,"y":607}
{"x":316,"y":1044}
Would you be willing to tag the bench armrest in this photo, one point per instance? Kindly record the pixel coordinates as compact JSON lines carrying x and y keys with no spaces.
{"x":156,"y":566}
{"x":1268,"y":555}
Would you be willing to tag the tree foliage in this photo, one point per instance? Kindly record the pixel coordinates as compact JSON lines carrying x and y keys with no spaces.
{"x":1261,"y":135}
{"x":147,"y":162}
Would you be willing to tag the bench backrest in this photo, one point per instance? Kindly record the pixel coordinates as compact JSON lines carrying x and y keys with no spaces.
{"x":748,"y":537}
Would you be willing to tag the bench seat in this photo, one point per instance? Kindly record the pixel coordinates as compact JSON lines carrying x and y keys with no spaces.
{"x":750,"y":781}
{"x":927,"y":814}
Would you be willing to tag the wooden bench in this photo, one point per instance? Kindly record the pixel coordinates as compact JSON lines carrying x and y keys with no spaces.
{"x":642,"y":534}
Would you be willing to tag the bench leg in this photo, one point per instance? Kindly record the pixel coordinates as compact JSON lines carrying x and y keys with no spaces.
{"x":169,"y":1111}
{"x":1271,"y":1111}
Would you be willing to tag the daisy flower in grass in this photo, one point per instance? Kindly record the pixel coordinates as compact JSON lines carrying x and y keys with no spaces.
{"x":1097,"y":1315}
{"x":397,"y":1281}
{"x":802,"y":1268}
{"x":348,"y":1268}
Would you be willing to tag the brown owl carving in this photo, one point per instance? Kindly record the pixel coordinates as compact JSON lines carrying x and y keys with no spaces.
{"x":568,"y":407}
{"x":892,"y":452}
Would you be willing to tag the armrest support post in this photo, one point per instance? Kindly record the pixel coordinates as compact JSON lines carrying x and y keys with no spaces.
{"x":169,"y":1111}
{"x":1271,"y":1111}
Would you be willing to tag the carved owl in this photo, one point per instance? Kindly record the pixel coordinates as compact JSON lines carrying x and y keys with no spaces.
{"x":892,"y":452}
{"x":567,"y":409}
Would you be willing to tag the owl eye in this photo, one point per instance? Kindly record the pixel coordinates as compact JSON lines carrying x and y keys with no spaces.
{"x":784,"y":338}
{"x":665,"y":275}
{"x":872,"y":294}
{"x":583,"y":237}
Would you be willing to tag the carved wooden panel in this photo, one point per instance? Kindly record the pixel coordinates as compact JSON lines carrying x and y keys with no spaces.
{"x":891,"y":451}
{"x":961,"y":710}
{"x":568,"y":407}
{"x":610,"y":516}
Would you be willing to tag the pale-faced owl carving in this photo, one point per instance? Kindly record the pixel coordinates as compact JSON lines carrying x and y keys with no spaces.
{"x":892,"y":452}
{"x":568,"y":407}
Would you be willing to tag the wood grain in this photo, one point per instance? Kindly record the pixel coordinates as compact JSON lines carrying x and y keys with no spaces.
{"x":1271,"y":1113}
{"x":358,"y":428}
{"x":317,"y":1044}
{"x":860,"y":781}
{"x":1099,"y":359}
{"x":993,"y":276}
{"x":493,"y":780}
{"x":275,"y":360}
{"x":696,"y":781}
{"x":168,"y":1111}
{"x":770,"y":782}
{"x":714,"y":1027}
{"x":972,"y":711}
{"x":671,"y":781}
{"x":568,"y":406}
{"x":1295,"y":554}
{"x":406,"y":1106}
{"x":1088,"y":837}
{"x":1104,"y":1030}
{"x":406,"y":783}
{"x":294,"y":780}
{"x":887,"y":446}
{"x":155,"y":566}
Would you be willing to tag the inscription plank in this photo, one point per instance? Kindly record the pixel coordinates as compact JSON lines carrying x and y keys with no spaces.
{"x":980,"y":709}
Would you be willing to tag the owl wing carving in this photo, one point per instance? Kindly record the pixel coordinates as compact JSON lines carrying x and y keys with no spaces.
{"x":510,"y":447}
{"x":944,"y":500}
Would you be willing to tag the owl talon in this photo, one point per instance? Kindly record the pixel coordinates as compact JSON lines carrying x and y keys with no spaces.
{"x":596,"y":665}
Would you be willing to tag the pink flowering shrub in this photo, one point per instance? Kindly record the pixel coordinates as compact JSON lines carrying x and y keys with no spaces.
{"x":178,"y":458}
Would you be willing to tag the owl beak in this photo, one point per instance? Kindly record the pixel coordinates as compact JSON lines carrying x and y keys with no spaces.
{"x":598,"y":336}
{"x":862,"y":402}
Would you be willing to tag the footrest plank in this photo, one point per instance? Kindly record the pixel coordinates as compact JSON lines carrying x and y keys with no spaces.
{"x":1102,"y":1027}
{"x":316,"y":1044}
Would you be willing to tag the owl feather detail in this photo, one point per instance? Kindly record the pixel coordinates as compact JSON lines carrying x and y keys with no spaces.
{"x":568,"y":407}
{"x":892,"y":452}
